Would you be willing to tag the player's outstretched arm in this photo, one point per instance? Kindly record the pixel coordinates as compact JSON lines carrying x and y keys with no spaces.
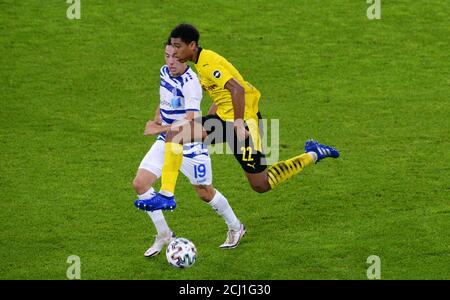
{"x":153,"y":128}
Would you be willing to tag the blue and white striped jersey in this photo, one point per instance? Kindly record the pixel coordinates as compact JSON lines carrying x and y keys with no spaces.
{"x":177,"y":96}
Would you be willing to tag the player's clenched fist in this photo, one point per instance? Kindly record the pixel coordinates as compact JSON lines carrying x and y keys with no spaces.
{"x":241,"y":132}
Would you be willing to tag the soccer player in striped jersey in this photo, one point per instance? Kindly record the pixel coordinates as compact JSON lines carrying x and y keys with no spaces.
{"x":180,"y":96}
{"x":235,"y":102}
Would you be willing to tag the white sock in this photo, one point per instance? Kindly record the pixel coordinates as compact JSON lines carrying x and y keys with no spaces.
{"x":220,"y":204}
{"x":166,"y":193}
{"x":147,"y":195}
{"x":157,"y":216}
{"x":314,"y":155}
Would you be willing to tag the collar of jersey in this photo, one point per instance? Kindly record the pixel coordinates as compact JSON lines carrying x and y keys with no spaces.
{"x":187,"y":69}
{"x":198,"y":55}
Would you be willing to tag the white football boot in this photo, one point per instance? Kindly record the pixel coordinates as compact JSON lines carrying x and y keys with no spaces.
{"x":233,"y":238}
{"x":159,"y":244}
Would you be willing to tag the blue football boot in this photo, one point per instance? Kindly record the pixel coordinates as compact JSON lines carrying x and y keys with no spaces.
{"x":157,"y":202}
{"x":321,"y":150}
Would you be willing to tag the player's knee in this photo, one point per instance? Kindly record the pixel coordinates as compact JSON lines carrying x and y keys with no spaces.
{"x":139,"y":186}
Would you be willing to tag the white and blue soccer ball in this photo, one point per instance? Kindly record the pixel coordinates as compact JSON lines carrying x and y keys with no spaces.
{"x":181,"y":253}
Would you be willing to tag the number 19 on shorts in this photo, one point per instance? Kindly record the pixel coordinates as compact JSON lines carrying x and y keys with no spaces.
{"x":199,"y":171}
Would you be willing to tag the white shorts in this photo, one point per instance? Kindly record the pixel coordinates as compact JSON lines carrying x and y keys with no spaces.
{"x":197,"y":169}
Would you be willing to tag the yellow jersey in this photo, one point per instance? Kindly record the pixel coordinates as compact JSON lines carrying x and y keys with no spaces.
{"x":214,"y":71}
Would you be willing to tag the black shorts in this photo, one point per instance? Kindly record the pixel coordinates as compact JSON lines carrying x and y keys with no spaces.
{"x":220,"y":131}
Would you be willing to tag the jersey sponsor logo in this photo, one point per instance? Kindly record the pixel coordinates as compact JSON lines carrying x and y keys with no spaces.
{"x":217,"y":74}
{"x":210,"y":87}
{"x":164,"y":102}
{"x":176,"y":102}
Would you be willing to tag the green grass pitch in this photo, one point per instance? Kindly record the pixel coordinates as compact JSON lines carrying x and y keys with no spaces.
{"x":75,"y":96}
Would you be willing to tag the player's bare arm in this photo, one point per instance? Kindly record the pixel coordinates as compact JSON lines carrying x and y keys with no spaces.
{"x":238,"y":98}
{"x":212,"y":110}
{"x":150,"y":126}
{"x":157,"y":117}
{"x":153,"y":127}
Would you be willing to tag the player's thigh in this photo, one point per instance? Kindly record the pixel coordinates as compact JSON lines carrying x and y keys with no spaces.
{"x":153,"y":161}
{"x":197,"y":169}
{"x":252,"y":161}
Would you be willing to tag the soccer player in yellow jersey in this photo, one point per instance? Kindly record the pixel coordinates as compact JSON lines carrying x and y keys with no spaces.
{"x":234,"y":118}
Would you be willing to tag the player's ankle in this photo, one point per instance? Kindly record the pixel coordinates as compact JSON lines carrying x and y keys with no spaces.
{"x":314,"y":155}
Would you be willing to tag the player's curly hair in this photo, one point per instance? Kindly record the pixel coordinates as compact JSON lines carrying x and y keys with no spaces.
{"x":186,"y":32}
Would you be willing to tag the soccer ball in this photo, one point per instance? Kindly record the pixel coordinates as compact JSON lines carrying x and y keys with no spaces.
{"x":181,"y":253}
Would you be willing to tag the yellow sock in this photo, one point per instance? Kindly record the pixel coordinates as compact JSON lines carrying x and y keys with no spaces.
{"x":173,"y":157}
{"x":283,"y":170}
